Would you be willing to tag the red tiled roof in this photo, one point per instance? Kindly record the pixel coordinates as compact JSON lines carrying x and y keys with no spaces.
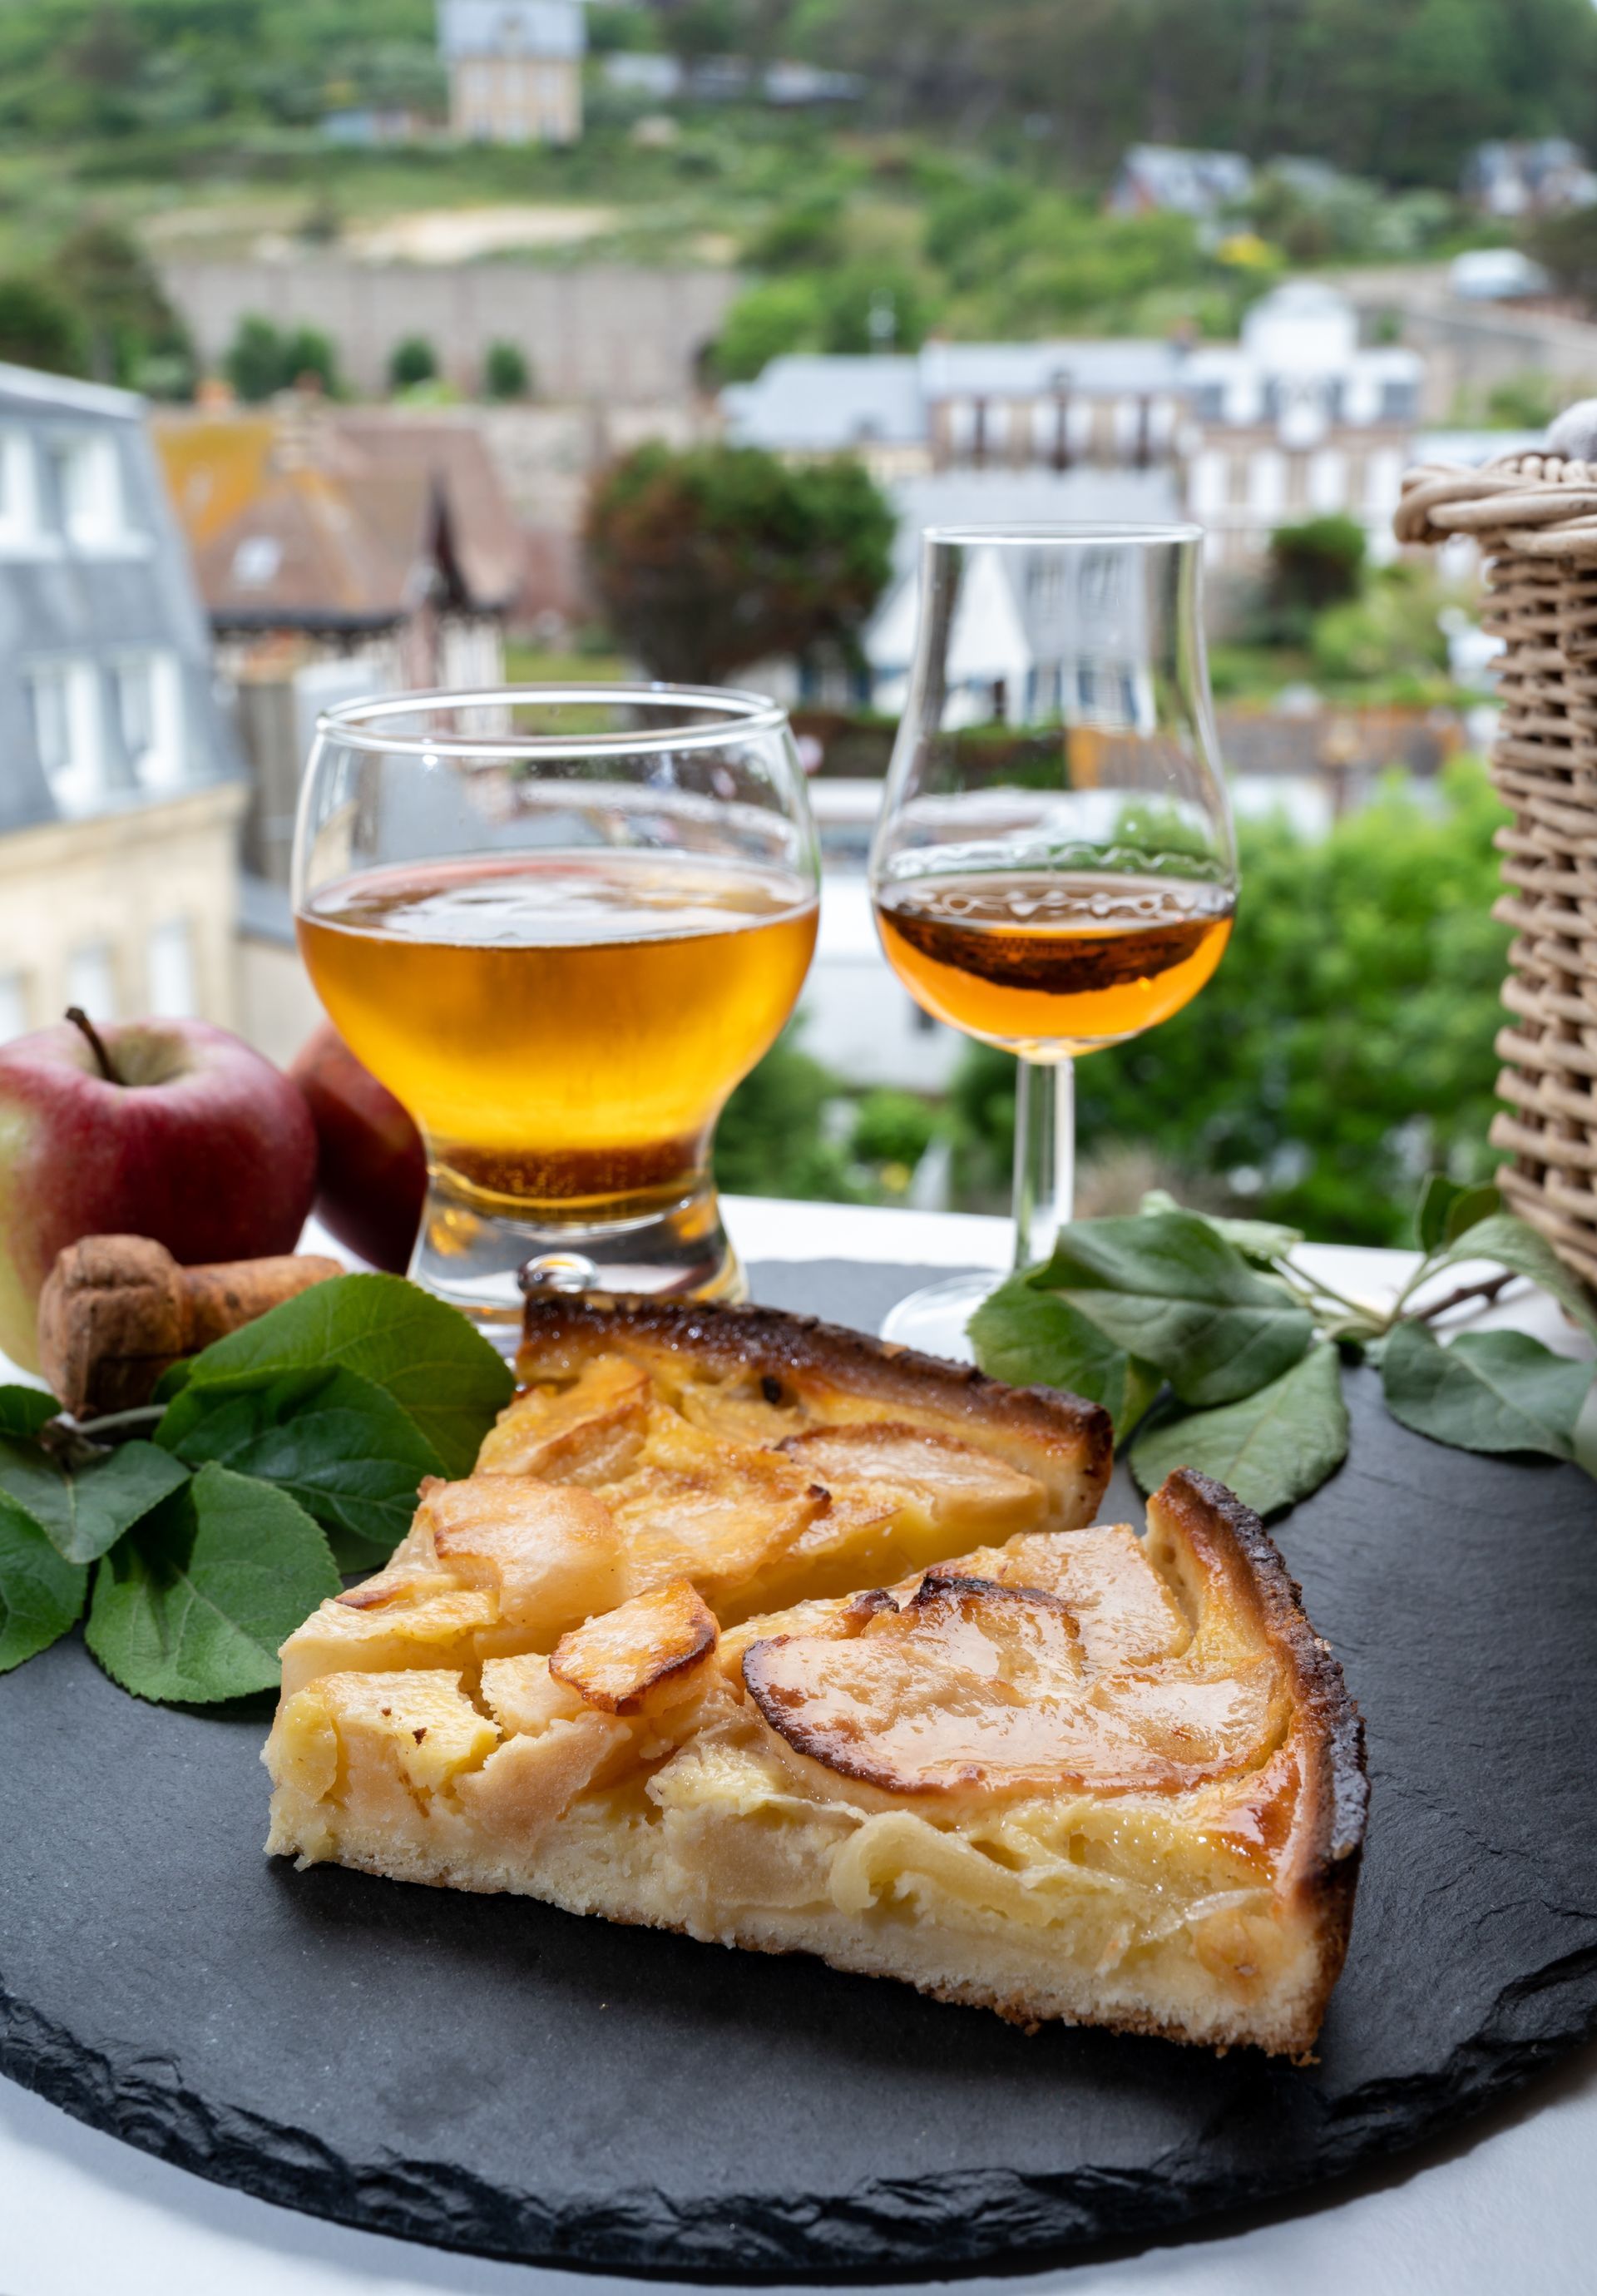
{"x":340,"y":521}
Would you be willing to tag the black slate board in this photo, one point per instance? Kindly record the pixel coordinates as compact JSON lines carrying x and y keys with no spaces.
{"x":485,"y":2073}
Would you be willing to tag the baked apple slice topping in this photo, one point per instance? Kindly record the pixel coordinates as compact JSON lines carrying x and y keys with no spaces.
{"x":642,"y":1652}
{"x":972,"y":1684}
{"x":957,"y":1486}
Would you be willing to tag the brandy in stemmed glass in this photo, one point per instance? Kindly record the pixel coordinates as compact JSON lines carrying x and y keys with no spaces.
{"x":560,"y":924}
{"x":1055,"y":866}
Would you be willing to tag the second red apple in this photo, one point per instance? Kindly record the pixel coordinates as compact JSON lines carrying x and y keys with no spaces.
{"x":371,"y":1172}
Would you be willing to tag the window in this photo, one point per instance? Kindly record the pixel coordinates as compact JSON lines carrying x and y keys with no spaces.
{"x":1207,"y":483}
{"x":149,"y":699}
{"x":63,"y":705}
{"x":1399,"y":402}
{"x":1327,"y":489}
{"x":170,"y":967}
{"x":14,"y":1004}
{"x":256,"y":561}
{"x":1266,"y":483}
{"x":88,"y":490}
{"x":92,"y":978}
{"x":19,"y":490}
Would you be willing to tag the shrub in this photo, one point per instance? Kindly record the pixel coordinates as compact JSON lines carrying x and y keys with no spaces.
{"x":772,"y":1138}
{"x":260,"y":361}
{"x":253,"y":360}
{"x":412,"y":362}
{"x":309,"y":354}
{"x":1316,"y":564}
{"x":506,"y":374}
{"x":892,"y":1128}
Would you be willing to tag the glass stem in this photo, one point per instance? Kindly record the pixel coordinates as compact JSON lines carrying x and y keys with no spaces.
{"x":1044,"y":1155}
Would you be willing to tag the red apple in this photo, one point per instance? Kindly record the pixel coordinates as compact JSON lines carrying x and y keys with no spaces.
{"x":373,"y":1172}
{"x":192,"y":1138}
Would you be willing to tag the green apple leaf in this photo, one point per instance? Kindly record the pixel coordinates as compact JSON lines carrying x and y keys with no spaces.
{"x":85,"y":1510}
{"x":41,"y":1595}
{"x":1262,"y":1243}
{"x":1272,"y":1447}
{"x":336,"y":1442}
{"x":1510,"y":1243}
{"x":1171,"y":1292}
{"x":194,"y":1603}
{"x":23,"y":1411}
{"x":1485,"y":1391}
{"x":1032,"y":1338}
{"x":423,"y":1353}
{"x":1447,"y":1209}
{"x":1583,"y":1438}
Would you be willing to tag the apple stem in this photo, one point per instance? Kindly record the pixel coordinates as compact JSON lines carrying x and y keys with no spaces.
{"x":80,"y":1019}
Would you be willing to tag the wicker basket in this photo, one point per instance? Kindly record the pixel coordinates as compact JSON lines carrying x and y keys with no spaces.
{"x":1534,"y":517}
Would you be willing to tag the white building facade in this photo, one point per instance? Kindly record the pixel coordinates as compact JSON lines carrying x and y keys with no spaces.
{"x":1296,"y":420}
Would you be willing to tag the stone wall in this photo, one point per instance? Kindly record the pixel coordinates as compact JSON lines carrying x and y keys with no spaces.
{"x":609,"y":334}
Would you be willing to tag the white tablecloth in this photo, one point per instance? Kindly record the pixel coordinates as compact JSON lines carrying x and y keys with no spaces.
{"x":1508,"y":2203}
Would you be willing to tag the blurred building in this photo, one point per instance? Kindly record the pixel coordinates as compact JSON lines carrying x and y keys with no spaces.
{"x":1161,"y":178}
{"x":120,"y":785}
{"x":338,"y":552}
{"x":1296,"y":420}
{"x":1511,"y":181}
{"x":515,"y":68}
{"x":789,"y":85}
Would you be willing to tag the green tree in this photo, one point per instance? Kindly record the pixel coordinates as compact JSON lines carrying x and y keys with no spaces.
{"x":253,"y":362}
{"x":1347,"y":1041}
{"x":135,"y":338}
{"x":766,"y":322}
{"x":410,"y":362}
{"x":38,"y":328}
{"x":506,"y":374}
{"x":707,"y":559}
{"x":772,"y":1138}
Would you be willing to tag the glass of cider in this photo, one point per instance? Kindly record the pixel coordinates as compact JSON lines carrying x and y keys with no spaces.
{"x":560,"y":924}
{"x":1054,"y":868}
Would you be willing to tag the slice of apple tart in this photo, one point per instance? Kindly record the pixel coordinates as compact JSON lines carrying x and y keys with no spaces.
{"x":1063,"y":1772}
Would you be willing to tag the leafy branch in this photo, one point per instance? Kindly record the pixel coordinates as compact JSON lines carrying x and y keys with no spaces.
{"x":197,"y":1531}
{"x":1211,"y":1346}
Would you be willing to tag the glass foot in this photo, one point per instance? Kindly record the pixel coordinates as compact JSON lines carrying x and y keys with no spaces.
{"x":488,"y":1256}
{"x":934,"y":1318}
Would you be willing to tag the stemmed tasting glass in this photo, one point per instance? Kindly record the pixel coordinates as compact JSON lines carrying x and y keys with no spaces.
{"x":1055,"y":868}
{"x":560,"y":924}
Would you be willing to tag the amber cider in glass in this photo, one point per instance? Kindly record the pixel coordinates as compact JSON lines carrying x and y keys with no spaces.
{"x":564,"y":1027}
{"x":1048,"y":964}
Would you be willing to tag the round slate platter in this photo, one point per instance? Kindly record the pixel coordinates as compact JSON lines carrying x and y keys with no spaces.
{"x":485,"y":2073}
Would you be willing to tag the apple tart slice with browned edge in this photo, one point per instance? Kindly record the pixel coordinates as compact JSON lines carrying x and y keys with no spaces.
{"x":1065,"y":1773}
{"x":765,"y":1457}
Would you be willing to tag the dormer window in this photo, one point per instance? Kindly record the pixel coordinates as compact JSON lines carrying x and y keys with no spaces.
{"x":256,"y":561}
{"x":18,"y":491}
{"x":63,"y":703}
{"x":90,"y":505}
{"x":148,"y":688}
